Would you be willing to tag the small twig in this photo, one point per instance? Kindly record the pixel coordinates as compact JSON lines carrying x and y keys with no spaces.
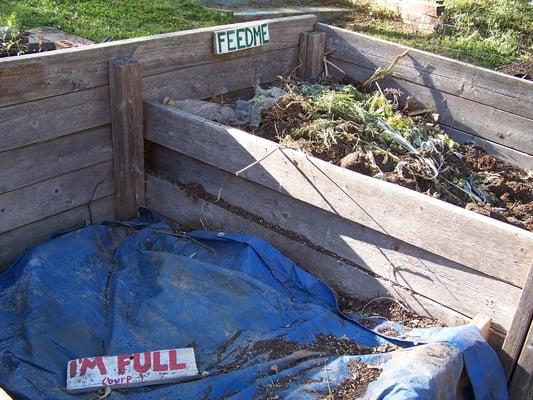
{"x":326,"y":61}
{"x":278,"y":147}
{"x":89,"y":204}
{"x":381,"y":73}
{"x":185,"y":235}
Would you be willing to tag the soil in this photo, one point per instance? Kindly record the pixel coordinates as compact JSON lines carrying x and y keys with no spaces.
{"x":510,"y":189}
{"x":361,"y":375}
{"x":279,"y":348}
{"x":520,"y":69}
{"x":389,"y":309}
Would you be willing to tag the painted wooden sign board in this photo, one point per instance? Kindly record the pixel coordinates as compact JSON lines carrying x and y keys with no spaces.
{"x":129,"y":370}
{"x":241,"y":38}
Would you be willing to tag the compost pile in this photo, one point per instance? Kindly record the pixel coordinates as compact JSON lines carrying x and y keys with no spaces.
{"x":375,"y":135}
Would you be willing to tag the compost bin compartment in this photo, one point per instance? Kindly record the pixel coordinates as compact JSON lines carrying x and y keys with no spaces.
{"x":260,"y":325}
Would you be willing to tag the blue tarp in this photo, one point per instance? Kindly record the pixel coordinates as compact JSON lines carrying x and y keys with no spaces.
{"x":124,"y":288}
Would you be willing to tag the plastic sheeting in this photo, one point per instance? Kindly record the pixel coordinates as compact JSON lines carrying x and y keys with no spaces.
{"x":243,"y":306}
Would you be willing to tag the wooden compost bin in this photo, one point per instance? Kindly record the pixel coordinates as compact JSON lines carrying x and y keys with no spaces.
{"x":75,"y":124}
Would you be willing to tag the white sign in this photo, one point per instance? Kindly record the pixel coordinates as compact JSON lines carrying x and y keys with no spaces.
{"x":241,"y":38}
{"x":128,"y":370}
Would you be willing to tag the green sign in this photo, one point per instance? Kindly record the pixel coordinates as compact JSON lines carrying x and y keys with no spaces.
{"x":241,"y":38}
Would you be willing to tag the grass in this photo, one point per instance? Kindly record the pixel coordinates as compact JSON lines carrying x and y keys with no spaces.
{"x":487,"y":33}
{"x":100,"y":20}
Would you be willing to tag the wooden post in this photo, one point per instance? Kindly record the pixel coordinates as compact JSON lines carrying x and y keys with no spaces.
{"x":128,"y":147}
{"x":520,"y":326}
{"x":521,"y":385}
{"x":311,"y":55}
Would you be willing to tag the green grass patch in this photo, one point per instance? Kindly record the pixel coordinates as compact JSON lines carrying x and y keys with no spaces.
{"x":116,"y":19}
{"x":490,"y":34}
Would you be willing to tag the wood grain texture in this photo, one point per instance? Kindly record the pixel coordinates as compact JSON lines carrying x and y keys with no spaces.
{"x":169,"y":200}
{"x":36,"y":76}
{"x":311,"y":55}
{"x":433,"y":225}
{"x":31,"y":164}
{"x":208,"y":80}
{"x":125,"y":87}
{"x":41,"y":120}
{"x":32,"y":203}
{"x":520,"y":326}
{"x":448,"y":283}
{"x":481,"y":120}
{"x":15,"y":242}
{"x":480,"y":85}
{"x":521,"y":386}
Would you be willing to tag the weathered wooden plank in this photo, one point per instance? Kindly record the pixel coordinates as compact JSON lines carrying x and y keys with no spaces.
{"x":448,"y":283}
{"x":14,"y":242}
{"x":48,"y":74}
{"x":433,"y":225}
{"x":518,"y":331}
{"x":311,"y":55}
{"x":346,"y":280}
{"x":31,"y":164}
{"x":32,"y":203}
{"x":485,"y":121}
{"x":302,"y":56}
{"x":521,"y":386}
{"x":468,"y":81}
{"x":46,"y":119}
{"x":219,"y":78}
{"x":125,"y":87}
{"x":515,"y":157}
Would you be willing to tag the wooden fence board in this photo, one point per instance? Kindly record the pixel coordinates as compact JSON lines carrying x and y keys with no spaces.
{"x":223,"y":77}
{"x":521,"y":386}
{"x":49,"y":74}
{"x":28,"y":165}
{"x":14,"y":242}
{"x":468,"y":81}
{"x":41,"y":120}
{"x":522,"y":321}
{"x":433,"y":225}
{"x":128,"y":143}
{"x":173,"y":203}
{"x":485,"y":121}
{"x":457,"y":287}
{"x":31,"y":203}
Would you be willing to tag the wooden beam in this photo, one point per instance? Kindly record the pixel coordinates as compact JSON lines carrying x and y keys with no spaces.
{"x":35,"y":202}
{"x":431,"y":224}
{"x":482,"y":322}
{"x":518,"y":331}
{"x":40,"y":161}
{"x":15,"y":242}
{"x":128,"y":143}
{"x":311,"y":55}
{"x":45,"y":119}
{"x":206,"y":80}
{"x":521,"y":386}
